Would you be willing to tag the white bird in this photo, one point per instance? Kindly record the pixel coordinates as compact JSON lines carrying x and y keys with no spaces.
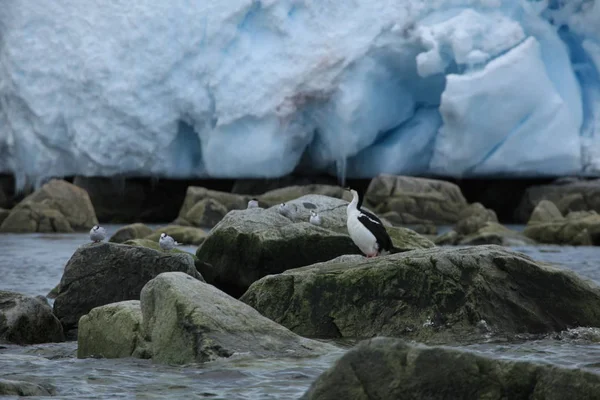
{"x":253,"y":203}
{"x":166,"y":242}
{"x":97,"y":234}
{"x":366,"y":230}
{"x":285,"y":210}
{"x":315,"y":218}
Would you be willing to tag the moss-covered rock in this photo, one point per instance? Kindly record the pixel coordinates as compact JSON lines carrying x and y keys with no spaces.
{"x":151,"y":244}
{"x":196,"y":194}
{"x":104,"y":273}
{"x":249,"y":244}
{"x":287,"y":194}
{"x":580,"y":228}
{"x":474,"y":217}
{"x":436,"y":295}
{"x":545,"y":211}
{"x":27,"y":320}
{"x":182,"y":234}
{"x":416,"y":199}
{"x":206,"y":213}
{"x":129,"y":232}
{"x":58,"y":206}
{"x":188,"y":321}
{"x":487,"y":233}
{"x":390,"y":369}
{"x":112,"y":331}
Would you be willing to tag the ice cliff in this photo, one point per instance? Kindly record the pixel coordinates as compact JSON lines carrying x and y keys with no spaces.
{"x":241,"y":88}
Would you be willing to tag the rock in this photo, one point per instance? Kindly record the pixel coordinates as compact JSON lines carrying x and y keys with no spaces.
{"x":58,"y":206}
{"x":27,"y":320}
{"x":112,"y":331}
{"x":429,"y":200}
{"x":287,"y":194}
{"x":3,"y":214}
{"x":22,"y":388}
{"x":390,"y":369}
{"x":206,"y":213}
{"x":189,"y":321}
{"x":474,"y":217}
{"x":406,"y":239}
{"x":494,"y":233}
{"x":578,"y":228}
{"x":182,"y":234}
{"x":196,"y":194}
{"x":436,"y":295}
{"x":129,"y":232}
{"x":249,"y":244}
{"x":544,"y":212}
{"x":152,"y":244}
{"x":104,"y":273}
{"x":127,"y":200}
{"x":259,"y":186}
{"x":568,"y":195}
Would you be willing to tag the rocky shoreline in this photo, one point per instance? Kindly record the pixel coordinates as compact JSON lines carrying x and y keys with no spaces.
{"x":274,"y":285}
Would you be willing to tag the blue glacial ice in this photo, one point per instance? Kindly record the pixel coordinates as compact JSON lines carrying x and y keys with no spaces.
{"x":260,"y":88}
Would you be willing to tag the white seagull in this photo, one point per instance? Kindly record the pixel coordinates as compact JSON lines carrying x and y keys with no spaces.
{"x":253,"y":203}
{"x":285,"y":210}
{"x":97,"y":234}
{"x":166,"y":242}
{"x":315,"y":218}
{"x":366,"y":230}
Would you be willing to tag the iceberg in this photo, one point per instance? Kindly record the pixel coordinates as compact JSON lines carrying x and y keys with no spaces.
{"x":262,"y":88}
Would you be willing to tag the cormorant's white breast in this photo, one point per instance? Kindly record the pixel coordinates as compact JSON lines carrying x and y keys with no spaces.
{"x":366,"y":230}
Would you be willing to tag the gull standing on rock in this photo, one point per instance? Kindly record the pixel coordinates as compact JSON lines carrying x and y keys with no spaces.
{"x":97,"y":234}
{"x":285,"y":210}
{"x":315,"y":218}
{"x":166,"y":242}
{"x":366,"y":230}
{"x":253,"y":203}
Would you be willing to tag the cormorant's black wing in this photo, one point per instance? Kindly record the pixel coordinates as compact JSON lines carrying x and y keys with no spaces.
{"x":376,"y":227}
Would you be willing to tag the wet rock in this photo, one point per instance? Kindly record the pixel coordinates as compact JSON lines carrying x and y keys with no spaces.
{"x":568,"y":195}
{"x":387,"y":368}
{"x":206,"y":213}
{"x":182,"y":234}
{"x":104,"y":273}
{"x":22,"y":388}
{"x":112,"y":331}
{"x":428,"y":200}
{"x":436,"y":295}
{"x":27,"y":320}
{"x":189,"y":321}
{"x":249,"y":244}
{"x":58,"y":206}
{"x":129,"y":232}
{"x":579,"y":228}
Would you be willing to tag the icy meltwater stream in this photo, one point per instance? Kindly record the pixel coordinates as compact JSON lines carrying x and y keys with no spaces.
{"x":33,"y":263}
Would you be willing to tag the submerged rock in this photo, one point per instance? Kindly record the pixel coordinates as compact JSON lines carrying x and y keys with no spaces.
{"x":129,"y":232}
{"x":390,"y":369}
{"x":27,"y":320}
{"x":22,"y":388}
{"x":99,"y":274}
{"x":189,"y":321}
{"x":182,"y":234}
{"x":416,"y":199}
{"x":249,"y":244}
{"x":437,"y":295}
{"x":112,"y":331}
{"x":58,"y":206}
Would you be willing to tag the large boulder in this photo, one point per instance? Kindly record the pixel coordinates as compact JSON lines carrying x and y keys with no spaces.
{"x":188,"y":321}
{"x":486,"y":233}
{"x":196,"y":194}
{"x":257,"y":186}
{"x":390,"y":369}
{"x":438,"y":295}
{"x":27,"y":320}
{"x":286,"y":194}
{"x":130,"y":232}
{"x":249,"y":244}
{"x":474,"y":217}
{"x":99,"y":274}
{"x":188,"y":235}
{"x":567,"y":194}
{"x":23,"y":388}
{"x":578,"y":228}
{"x":153,"y":244}
{"x":206,"y":213}
{"x":416,"y":199}
{"x":58,"y":206}
{"x":112,"y":331}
